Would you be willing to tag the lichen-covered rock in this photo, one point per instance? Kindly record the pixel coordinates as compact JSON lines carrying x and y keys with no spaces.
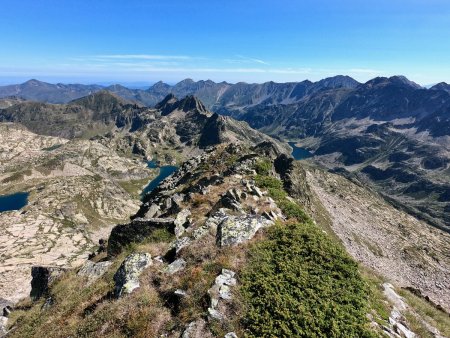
{"x":3,"y":325}
{"x":221,"y":290}
{"x":238,"y":229}
{"x":5,"y":310}
{"x":42,"y":279}
{"x":197,"y":329}
{"x":176,"y":266}
{"x":93,"y":271}
{"x":180,"y":222}
{"x":231,"y":335}
{"x":397,"y":323}
{"x":127,"y":276}
{"x":231,"y":200}
{"x":153,"y":211}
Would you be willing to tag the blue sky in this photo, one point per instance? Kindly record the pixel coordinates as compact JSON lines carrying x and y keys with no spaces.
{"x":131,"y":41}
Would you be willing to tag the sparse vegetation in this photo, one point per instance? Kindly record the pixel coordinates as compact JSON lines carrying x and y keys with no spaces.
{"x":275,"y":188}
{"x":428,"y":312}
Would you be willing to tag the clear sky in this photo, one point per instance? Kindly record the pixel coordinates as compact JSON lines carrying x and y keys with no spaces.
{"x":126,"y":41}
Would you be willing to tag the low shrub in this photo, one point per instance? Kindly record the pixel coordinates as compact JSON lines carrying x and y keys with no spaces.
{"x":299,"y":283}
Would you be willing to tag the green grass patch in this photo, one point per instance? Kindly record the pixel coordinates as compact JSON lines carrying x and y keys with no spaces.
{"x":275,"y":189}
{"x":263,"y":167}
{"x":299,"y":283}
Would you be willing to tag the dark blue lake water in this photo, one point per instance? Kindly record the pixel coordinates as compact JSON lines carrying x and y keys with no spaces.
{"x":14,"y":201}
{"x":299,"y":153}
{"x":164,"y":172}
{"x":152,"y":164}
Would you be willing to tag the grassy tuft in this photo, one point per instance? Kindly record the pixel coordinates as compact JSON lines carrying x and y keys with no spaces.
{"x":299,"y":283}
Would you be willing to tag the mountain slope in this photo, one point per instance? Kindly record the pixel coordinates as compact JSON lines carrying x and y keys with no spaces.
{"x":389,"y":132}
{"x":97,"y":112}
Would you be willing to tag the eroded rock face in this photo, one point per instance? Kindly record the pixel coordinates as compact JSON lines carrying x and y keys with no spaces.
{"x":42,"y":279}
{"x":238,"y":229}
{"x":127,"y":276}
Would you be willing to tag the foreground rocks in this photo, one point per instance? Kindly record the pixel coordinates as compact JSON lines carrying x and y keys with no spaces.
{"x":238,"y":229}
{"x":127,"y":276}
{"x":93,"y":271}
{"x":42,"y":279}
{"x":221,"y":292}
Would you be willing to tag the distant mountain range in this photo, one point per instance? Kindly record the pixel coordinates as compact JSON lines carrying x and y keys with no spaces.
{"x":390,"y":132}
{"x":185,"y":123}
{"x":211,"y":93}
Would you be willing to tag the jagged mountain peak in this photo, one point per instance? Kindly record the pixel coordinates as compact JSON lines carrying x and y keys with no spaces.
{"x":169,"y":99}
{"x":191,"y":102}
{"x":185,"y":82}
{"x":404,"y":80}
{"x":188,"y":104}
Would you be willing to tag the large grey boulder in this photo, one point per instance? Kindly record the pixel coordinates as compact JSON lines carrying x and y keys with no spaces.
{"x":42,"y":277}
{"x":238,"y":229}
{"x":127,"y":276}
{"x":93,"y":271}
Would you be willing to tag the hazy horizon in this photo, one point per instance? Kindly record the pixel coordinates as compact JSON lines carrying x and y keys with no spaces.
{"x":146,"y":84}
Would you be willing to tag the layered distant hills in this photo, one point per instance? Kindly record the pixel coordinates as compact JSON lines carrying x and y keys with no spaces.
{"x":389,"y":132}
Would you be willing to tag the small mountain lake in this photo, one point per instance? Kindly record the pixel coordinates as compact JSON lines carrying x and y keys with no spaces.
{"x":164,"y":171}
{"x":14,"y":201}
{"x":300,"y":153}
{"x":152,"y":164}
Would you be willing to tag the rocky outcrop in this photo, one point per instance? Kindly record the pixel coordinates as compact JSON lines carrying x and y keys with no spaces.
{"x":231,"y":200}
{"x":93,"y":271}
{"x":136,"y":231}
{"x":42,"y":279}
{"x":221,"y":292}
{"x":294,"y":178}
{"x":181,"y":222}
{"x":238,"y":229}
{"x":176,"y":266}
{"x":126,"y":278}
{"x":5,"y":310}
{"x":197,"y":329}
{"x":398,"y":326}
